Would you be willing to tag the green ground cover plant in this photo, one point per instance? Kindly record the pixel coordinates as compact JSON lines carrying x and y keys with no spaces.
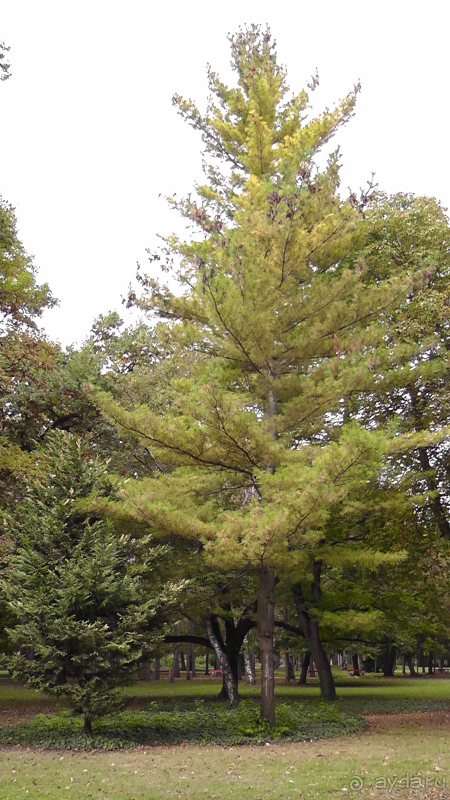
{"x":198,"y":722}
{"x":160,"y":713}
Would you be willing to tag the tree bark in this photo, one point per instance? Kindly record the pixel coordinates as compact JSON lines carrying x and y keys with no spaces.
{"x":304,"y":669}
{"x":409,"y":663}
{"x":175,"y":671}
{"x":207,"y":664}
{"x":266,"y":607}
{"x":157,"y":668}
{"x":147,"y":671}
{"x":229,"y":681}
{"x":191,"y":653}
{"x":388,"y":661}
{"x":188,"y":665}
{"x":87,"y":727}
{"x":193,"y":668}
{"x":250,"y":669}
{"x":146,"y":664}
{"x":287,"y":666}
{"x":234,"y":639}
{"x":310,"y":627}
{"x":241,"y":665}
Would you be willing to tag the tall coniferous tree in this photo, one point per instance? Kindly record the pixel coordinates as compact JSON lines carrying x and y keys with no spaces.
{"x":272,"y":299}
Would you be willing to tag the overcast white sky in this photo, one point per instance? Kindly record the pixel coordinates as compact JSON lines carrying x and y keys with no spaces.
{"x":89,"y":138}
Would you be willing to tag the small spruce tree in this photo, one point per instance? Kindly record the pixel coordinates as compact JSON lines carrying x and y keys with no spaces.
{"x":83,"y":595}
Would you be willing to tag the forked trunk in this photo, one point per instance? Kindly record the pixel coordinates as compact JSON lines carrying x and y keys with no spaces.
{"x":228,"y":678}
{"x":266,"y":607}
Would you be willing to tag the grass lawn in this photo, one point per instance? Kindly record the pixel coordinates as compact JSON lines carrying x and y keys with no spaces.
{"x":413,"y":748}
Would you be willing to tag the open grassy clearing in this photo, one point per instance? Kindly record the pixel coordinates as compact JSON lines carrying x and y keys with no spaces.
{"x":418,"y":745}
{"x":412,"y":747}
{"x":426,"y":687}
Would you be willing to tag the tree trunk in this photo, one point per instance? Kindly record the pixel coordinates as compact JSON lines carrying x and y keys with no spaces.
{"x":146,"y":664}
{"x":207,"y":664}
{"x":310,"y":627}
{"x":250,"y":669}
{"x":188,"y":664}
{"x":175,"y":671}
{"x":266,"y":606}
{"x":182,"y":662}
{"x":388,"y":661}
{"x":147,"y":671}
{"x":228,"y":678}
{"x":191,"y":653}
{"x":430,"y":664}
{"x":420,"y":661}
{"x":157,"y":668}
{"x":232,"y":645}
{"x":321,"y":661}
{"x":87,"y":727}
{"x":287,"y":657}
{"x":291,"y":668}
{"x":304,"y":670}
{"x":241,"y":665}
{"x":355,"y":661}
{"x":409,"y":663}
{"x":287,"y":666}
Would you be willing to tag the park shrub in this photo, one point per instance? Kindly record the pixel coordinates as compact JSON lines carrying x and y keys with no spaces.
{"x":197,"y":722}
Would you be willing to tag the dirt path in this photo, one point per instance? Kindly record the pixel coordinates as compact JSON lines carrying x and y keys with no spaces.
{"x":438,"y":719}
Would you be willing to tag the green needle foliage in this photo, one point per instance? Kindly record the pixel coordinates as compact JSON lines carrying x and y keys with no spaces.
{"x":84,"y":597}
{"x":274,"y":300}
